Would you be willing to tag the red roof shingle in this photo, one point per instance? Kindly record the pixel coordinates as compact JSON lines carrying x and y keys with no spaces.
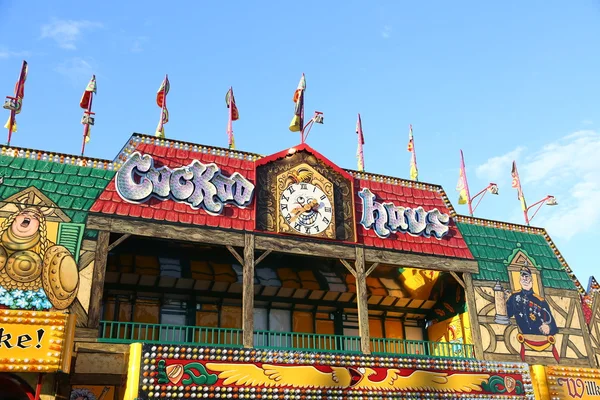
{"x":451,"y":245}
{"x":169,"y":210}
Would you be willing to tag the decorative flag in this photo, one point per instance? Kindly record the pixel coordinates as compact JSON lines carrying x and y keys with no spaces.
{"x":361,"y":141}
{"x":414,"y":171}
{"x":298,"y":120}
{"x":234,"y":115}
{"x":461,"y":186}
{"x":161,"y":101}
{"x":86,"y":98}
{"x":516,"y":183}
{"x":16,"y":103}
{"x":86,"y":104}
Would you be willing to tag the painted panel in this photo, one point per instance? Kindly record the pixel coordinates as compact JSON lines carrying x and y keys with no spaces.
{"x":173,"y":182}
{"x":232,"y":373}
{"x":33,"y":341}
{"x":406,"y":218}
{"x":570,"y":383}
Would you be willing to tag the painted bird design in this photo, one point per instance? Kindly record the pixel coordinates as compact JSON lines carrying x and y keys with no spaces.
{"x":343,"y":377}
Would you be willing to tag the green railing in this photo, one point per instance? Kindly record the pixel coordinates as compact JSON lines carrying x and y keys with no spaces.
{"x":130,"y":332}
{"x":306,"y":341}
{"x":421,"y":348}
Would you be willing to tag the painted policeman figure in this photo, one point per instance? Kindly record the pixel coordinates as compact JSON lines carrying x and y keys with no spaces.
{"x":531,"y":312}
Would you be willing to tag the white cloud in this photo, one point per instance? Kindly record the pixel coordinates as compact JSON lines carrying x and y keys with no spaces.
{"x":67,"y":32}
{"x":5,"y":53}
{"x":386,"y":32}
{"x":497,"y":169}
{"x":77,"y":69}
{"x":566,"y":168}
{"x":137,"y":45}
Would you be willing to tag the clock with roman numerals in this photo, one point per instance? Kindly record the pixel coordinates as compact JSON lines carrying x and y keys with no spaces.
{"x":306,"y":209}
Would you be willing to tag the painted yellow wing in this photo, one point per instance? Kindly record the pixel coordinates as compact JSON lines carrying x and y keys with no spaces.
{"x":440,"y":382}
{"x":278,"y":375}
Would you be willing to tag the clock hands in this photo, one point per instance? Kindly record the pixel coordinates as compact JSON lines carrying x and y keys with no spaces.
{"x":311,"y":205}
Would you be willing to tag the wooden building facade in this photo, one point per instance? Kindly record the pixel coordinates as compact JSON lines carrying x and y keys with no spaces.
{"x":192,"y":271}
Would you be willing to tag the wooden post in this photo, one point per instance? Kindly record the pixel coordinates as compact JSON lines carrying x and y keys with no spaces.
{"x":361,"y":301}
{"x":98,"y":279}
{"x":248,"y":292}
{"x":473,"y":318}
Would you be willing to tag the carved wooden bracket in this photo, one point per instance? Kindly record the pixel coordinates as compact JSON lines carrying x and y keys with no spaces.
{"x":118,"y":242}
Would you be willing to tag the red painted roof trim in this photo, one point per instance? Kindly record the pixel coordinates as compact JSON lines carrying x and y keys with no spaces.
{"x":302,"y":147}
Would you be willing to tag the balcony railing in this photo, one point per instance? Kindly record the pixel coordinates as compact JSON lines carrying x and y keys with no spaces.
{"x":130,"y":332}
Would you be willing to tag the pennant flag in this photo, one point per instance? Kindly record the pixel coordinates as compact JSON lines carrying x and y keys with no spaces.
{"x":516,"y":183}
{"x":161,"y":101}
{"x":414,"y":171}
{"x":461,"y":186}
{"x":361,"y":141}
{"x":11,"y":124}
{"x":86,"y":98}
{"x":234,"y":115}
{"x":298,"y":120}
{"x":86,"y":104}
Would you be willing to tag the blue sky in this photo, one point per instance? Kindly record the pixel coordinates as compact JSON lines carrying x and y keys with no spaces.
{"x":501,"y":80}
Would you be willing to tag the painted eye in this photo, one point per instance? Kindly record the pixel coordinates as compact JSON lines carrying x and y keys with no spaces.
{"x":301,"y":199}
{"x":362,"y":370}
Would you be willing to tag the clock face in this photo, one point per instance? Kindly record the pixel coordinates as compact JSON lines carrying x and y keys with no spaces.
{"x":305,"y":208}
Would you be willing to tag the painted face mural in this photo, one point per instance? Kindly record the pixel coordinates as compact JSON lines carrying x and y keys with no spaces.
{"x":34,"y":272}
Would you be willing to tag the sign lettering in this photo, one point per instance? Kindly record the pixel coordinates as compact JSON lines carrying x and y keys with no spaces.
{"x":41,"y":338}
{"x":387,"y":218}
{"x":577,"y":388}
{"x":198,"y":185}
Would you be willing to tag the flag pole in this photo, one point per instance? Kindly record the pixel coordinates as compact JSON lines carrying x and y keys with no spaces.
{"x":466,"y":182}
{"x":86,"y":127}
{"x":11,"y":121}
{"x":162,"y":110}
{"x":230,"y":122}
{"x":10,"y":124}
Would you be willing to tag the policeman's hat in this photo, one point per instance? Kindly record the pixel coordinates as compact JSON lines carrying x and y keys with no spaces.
{"x":525,"y":271}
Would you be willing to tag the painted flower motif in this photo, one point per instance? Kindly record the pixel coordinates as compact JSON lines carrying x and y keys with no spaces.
{"x":47,"y":304}
{"x":7,"y":300}
{"x":17,"y":294}
{"x":2,"y":291}
{"x":37,"y":303}
{"x":21,"y":302}
{"x":30,"y":295}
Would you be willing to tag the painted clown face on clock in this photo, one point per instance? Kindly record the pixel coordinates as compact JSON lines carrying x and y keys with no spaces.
{"x":306,"y":208}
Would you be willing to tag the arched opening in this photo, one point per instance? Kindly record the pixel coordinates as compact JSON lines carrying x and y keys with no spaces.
{"x":15,"y":388}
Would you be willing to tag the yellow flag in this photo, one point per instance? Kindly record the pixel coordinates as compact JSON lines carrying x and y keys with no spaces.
{"x":414,"y":172}
{"x":461,"y":188}
{"x":6,"y":126}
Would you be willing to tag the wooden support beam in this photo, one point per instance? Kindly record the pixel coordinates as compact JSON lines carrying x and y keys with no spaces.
{"x":413,"y":260}
{"x":460,"y":281}
{"x":348,"y":267}
{"x":235,"y":254}
{"x":371,"y":269}
{"x":118,"y":241}
{"x":291,"y":245}
{"x":165,"y":230}
{"x":248,"y":292}
{"x":473,"y":317}
{"x":362,"y":301}
{"x":262,"y":257}
{"x":98,"y":279}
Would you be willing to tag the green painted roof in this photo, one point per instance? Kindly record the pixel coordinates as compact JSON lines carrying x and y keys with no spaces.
{"x":72,"y":188}
{"x":492,"y":246}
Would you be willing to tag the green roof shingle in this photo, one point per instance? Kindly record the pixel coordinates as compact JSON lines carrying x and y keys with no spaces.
{"x":492,"y":246}
{"x":73,"y":188}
